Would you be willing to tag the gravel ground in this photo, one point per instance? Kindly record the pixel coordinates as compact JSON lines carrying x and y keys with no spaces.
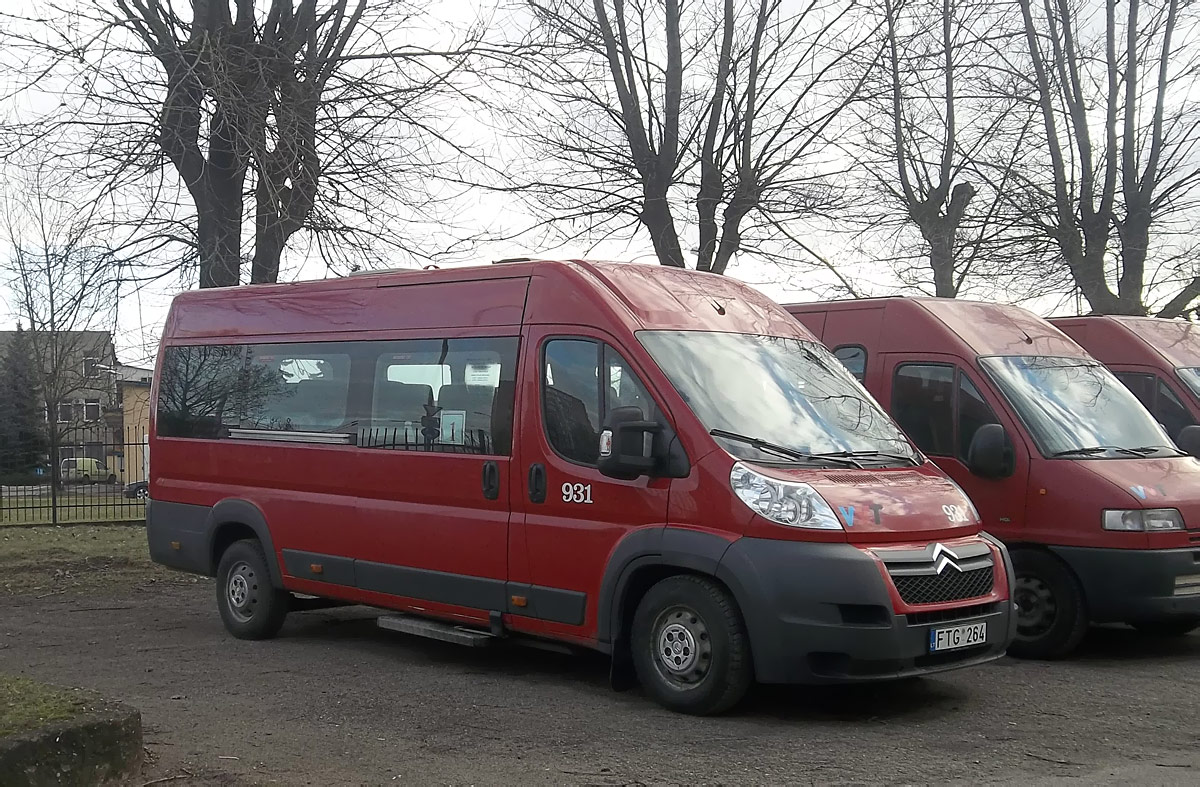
{"x":335,"y":700}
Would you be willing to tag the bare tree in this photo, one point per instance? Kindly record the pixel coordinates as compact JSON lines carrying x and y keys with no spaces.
{"x":63,"y":284}
{"x":322,"y":115}
{"x":1121,"y":138}
{"x":933,"y":141}
{"x":703,"y":121}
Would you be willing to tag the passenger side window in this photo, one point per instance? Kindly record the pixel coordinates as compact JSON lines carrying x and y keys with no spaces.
{"x":296,"y":387}
{"x":923,"y":405}
{"x":576,"y":397}
{"x":448,"y":396}
{"x":973,"y":412}
{"x":1171,"y":412}
{"x":854,"y":358}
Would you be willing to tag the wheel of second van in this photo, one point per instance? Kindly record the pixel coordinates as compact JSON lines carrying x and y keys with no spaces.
{"x":1051,"y":611}
{"x":250,"y":606}
{"x":690,"y":647}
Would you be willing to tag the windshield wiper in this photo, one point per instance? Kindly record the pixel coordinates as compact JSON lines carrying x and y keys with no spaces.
{"x":870,"y":455}
{"x":1146,"y":450}
{"x":784,"y":451}
{"x":1097,"y":449}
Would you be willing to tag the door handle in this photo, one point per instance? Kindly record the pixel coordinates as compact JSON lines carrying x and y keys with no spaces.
{"x":537,"y":483}
{"x":491,"y":480}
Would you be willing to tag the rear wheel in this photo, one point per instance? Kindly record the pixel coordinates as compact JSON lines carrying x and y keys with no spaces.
{"x":112,"y":478}
{"x":250,"y":606}
{"x":1166,"y":628}
{"x":690,"y":647}
{"x":86,"y":479}
{"x":1051,"y":612}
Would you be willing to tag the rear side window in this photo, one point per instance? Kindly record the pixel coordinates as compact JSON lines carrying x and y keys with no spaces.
{"x":453,"y":395}
{"x":923,"y":405}
{"x":198,"y":390}
{"x":854,"y":358}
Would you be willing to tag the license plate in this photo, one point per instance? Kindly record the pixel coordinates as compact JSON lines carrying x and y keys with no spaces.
{"x":955,"y":637}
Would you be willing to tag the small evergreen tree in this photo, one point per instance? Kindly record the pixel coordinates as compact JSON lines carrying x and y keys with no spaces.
{"x":22,"y":428}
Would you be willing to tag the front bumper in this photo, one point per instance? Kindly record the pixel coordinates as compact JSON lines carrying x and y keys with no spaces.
{"x":1123,"y":585}
{"x":823,"y":613}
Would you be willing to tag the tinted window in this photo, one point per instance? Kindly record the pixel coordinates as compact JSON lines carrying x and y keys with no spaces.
{"x":624,"y":387}
{"x":426,"y":395}
{"x":450,"y":396}
{"x":571,"y":398}
{"x":854,"y":358}
{"x":198,"y":390}
{"x":1170,"y":412}
{"x":923,"y":405}
{"x":973,"y":412}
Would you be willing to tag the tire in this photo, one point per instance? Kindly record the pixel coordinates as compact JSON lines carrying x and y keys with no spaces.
{"x":112,"y":478}
{"x":1166,"y":628}
{"x":250,"y":606}
{"x":1051,"y":611}
{"x":142,"y":492}
{"x":85,"y":479}
{"x":689,"y":646}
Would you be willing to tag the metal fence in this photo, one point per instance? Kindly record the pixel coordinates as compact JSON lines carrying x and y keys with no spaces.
{"x":95,"y":481}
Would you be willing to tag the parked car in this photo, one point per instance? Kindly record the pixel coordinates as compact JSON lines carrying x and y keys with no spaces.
{"x":85,"y":470}
{"x":655,"y":463}
{"x":138,"y":489}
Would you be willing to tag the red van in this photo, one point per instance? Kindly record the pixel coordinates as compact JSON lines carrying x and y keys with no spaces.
{"x":1159,"y":360}
{"x":1100,"y":510}
{"x":655,"y":463}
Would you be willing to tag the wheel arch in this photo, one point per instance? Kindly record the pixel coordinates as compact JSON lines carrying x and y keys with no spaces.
{"x":232,"y":520}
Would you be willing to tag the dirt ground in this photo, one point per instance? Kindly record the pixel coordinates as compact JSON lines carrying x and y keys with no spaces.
{"x":335,"y":700}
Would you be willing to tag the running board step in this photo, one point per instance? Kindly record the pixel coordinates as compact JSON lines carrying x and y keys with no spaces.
{"x":432,"y":629}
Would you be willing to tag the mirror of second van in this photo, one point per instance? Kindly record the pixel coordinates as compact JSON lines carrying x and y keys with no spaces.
{"x":786,"y":391}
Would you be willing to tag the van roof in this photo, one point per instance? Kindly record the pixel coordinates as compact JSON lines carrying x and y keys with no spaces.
{"x":1176,"y":341}
{"x":575,"y":292}
{"x":978,"y":328}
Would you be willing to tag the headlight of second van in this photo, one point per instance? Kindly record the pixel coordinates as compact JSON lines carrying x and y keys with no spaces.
{"x":1144,"y":519}
{"x":794,"y":505}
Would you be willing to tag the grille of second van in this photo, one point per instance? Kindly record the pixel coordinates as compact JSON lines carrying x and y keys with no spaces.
{"x":950,"y":585}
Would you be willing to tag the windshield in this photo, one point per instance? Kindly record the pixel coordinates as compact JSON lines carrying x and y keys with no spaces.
{"x":1073,"y":404}
{"x":1191,"y":378}
{"x":791,"y":393}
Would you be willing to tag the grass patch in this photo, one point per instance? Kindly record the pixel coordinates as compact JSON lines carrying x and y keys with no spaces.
{"x":70,"y":509}
{"x":44,"y":561}
{"x":27,"y":705}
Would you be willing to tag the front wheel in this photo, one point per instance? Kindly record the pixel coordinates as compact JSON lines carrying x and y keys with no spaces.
{"x":1166,"y":628}
{"x":250,"y":606}
{"x":690,"y":647}
{"x":1051,"y":611}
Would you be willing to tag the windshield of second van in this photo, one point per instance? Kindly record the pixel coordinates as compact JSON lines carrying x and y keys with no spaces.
{"x":772,"y":398}
{"x":1191,"y":378}
{"x":1075,"y":407}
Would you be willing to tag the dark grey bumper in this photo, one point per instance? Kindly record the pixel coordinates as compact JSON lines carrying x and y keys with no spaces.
{"x":821,"y":613}
{"x":178,"y":536}
{"x":1124,"y":585}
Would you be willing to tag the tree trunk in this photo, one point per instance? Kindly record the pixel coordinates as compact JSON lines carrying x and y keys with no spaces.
{"x":656,"y":217}
{"x":219,"y":224}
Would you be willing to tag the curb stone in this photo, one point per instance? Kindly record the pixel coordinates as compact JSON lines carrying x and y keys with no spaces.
{"x":102,"y":746}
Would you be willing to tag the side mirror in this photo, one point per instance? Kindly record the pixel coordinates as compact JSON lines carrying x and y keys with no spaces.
{"x":1188,"y":440}
{"x":627,"y":444}
{"x":990,"y":454}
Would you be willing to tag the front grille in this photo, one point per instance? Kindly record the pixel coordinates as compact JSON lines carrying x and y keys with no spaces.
{"x":950,"y":585}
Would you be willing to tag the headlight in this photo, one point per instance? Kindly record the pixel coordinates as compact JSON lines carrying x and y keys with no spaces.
{"x":1144,"y":519}
{"x":795,"y":505}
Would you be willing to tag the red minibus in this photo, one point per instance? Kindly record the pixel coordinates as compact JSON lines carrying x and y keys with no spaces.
{"x":1157,"y":359}
{"x":1101,"y":512}
{"x":655,"y":463}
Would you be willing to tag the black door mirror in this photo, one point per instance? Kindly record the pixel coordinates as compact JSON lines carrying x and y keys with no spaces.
{"x":627,"y":444}
{"x":1189,"y":440}
{"x":990,"y":454}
